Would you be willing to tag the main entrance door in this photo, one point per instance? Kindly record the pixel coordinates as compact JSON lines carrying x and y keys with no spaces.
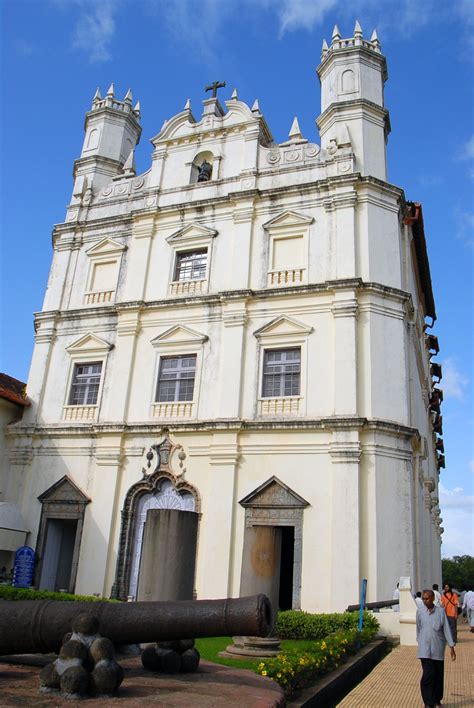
{"x":166,"y":533}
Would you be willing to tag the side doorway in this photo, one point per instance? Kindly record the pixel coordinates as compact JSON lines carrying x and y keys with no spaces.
{"x":60,"y":534}
{"x":272,"y":550}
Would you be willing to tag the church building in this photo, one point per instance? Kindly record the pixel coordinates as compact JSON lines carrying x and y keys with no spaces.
{"x":231,"y":387}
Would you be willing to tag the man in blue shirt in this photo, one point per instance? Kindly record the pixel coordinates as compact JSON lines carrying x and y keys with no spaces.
{"x":432,"y":634}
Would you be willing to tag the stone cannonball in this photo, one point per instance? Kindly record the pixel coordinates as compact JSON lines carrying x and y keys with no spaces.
{"x":49,"y":677}
{"x":190,"y":660}
{"x":101,"y":648}
{"x":75,"y":680}
{"x":73,"y":650}
{"x":178,"y":645}
{"x":106,"y":677}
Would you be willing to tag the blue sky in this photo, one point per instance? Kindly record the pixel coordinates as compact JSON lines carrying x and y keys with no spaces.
{"x":56,"y":52}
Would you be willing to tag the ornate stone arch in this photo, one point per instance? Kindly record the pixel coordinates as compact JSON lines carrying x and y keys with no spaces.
{"x":150,"y":485}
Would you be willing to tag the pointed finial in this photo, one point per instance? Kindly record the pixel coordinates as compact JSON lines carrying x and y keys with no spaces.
{"x":375,"y":40}
{"x":295,"y":131}
{"x":234,"y":96}
{"x":136,"y":108}
{"x":256,"y":106}
{"x":129,"y":168}
{"x":357,"y":29}
{"x":97,"y":96}
{"x":187,"y":105}
{"x":325,"y":47}
{"x":111,"y":90}
{"x":128,"y":97}
{"x":335,"y":33}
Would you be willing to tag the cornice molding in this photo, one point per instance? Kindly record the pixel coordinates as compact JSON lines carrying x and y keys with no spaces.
{"x":327,"y":424}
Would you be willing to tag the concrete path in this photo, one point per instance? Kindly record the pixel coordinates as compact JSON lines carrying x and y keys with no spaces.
{"x":395,"y":681}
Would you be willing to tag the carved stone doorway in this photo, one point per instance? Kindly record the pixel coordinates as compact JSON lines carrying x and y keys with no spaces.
{"x":272,"y":553}
{"x":59,"y":536}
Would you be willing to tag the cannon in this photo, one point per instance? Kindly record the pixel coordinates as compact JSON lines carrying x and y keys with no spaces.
{"x":373,"y":605}
{"x":30,"y":626}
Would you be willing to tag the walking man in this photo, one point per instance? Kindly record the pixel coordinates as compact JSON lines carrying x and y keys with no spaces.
{"x":432,"y":634}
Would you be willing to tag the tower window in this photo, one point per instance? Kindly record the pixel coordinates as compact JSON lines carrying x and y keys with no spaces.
{"x":281,"y":372}
{"x":176,"y":378}
{"x":85,"y":384}
{"x":191,"y":265}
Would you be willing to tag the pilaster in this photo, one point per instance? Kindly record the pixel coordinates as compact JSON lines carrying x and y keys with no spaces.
{"x":223,"y":460}
{"x":99,"y":520}
{"x":242,"y":240}
{"x":45,"y":336}
{"x":128,"y":328}
{"x":345,"y":453}
{"x":143,"y":231}
{"x":234,"y":319}
{"x":344,"y":311}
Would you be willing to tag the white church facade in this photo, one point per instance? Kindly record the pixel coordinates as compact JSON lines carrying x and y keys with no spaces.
{"x":231,"y":387}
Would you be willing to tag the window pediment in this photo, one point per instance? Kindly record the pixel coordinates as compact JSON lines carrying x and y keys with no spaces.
{"x":283,"y":326}
{"x":179,"y":335}
{"x":191,"y":234}
{"x":89,"y":344}
{"x":287,"y":219}
{"x":106,"y":247}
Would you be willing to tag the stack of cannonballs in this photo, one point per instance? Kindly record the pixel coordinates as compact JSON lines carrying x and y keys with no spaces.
{"x":171,"y":657}
{"x":86,"y":664}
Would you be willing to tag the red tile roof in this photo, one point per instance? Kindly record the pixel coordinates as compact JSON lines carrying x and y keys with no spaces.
{"x":13,"y":390}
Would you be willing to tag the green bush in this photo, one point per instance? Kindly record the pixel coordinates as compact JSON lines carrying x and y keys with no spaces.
{"x":8,"y":592}
{"x":294,"y":671}
{"x":296,"y":624}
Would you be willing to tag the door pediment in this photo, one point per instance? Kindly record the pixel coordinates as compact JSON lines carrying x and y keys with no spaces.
{"x":64,"y":491}
{"x":274,"y":494}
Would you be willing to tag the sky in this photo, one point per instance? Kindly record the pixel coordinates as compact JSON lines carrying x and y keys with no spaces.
{"x":54,"y":54}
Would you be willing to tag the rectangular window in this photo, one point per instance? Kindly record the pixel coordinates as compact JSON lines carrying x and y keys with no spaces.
{"x":191,"y":265}
{"x":176,"y":378}
{"x":281,"y":372}
{"x":85,"y":384}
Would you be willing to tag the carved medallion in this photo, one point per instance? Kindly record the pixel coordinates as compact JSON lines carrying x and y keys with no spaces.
{"x":273,"y":157}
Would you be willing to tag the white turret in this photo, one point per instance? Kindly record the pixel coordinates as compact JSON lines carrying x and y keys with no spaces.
{"x":112,"y":131}
{"x":352,"y":73}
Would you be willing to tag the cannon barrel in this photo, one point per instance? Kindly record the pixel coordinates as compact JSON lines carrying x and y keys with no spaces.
{"x":31,"y":626}
{"x":373,"y":605}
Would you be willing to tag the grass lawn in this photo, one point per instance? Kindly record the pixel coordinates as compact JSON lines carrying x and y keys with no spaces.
{"x":210,"y":647}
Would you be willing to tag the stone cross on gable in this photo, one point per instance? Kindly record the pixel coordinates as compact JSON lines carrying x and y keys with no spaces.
{"x":213,"y":87}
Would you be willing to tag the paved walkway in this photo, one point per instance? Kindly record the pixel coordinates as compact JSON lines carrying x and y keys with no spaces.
{"x":395,"y":681}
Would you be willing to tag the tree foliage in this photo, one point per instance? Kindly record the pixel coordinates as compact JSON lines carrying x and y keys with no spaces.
{"x":459,"y":571}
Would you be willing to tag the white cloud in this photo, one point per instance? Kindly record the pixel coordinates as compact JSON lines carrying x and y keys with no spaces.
{"x":457,"y":512}
{"x":454,"y":382}
{"x":95,"y":28}
{"x":466,"y":154}
{"x":465,"y":225}
{"x":455,"y":498}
